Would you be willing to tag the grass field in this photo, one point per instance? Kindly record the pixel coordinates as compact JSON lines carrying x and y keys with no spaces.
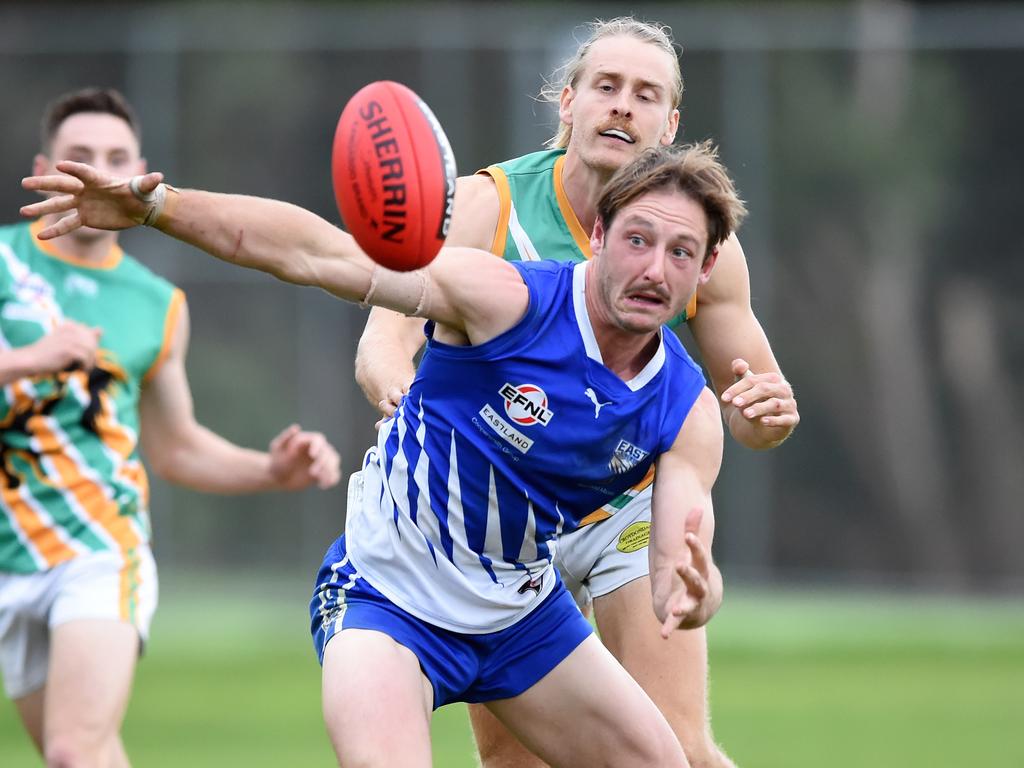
{"x":798,"y":680}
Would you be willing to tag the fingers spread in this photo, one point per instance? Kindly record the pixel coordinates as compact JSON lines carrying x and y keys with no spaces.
{"x":57,"y":204}
{"x":61,"y":227}
{"x":698,"y":554}
{"x":696,"y":586}
{"x":677,"y":609}
{"x":86,"y":173}
{"x":53,"y":183}
{"x":669,"y":626}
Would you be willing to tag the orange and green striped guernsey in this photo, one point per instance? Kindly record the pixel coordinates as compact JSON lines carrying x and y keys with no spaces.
{"x":71,"y":479}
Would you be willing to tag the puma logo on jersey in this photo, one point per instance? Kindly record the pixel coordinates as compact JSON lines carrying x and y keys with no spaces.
{"x":533,"y":585}
{"x":590,"y":393}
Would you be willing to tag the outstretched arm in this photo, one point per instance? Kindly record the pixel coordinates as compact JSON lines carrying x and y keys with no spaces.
{"x":757,"y":402}
{"x":273,"y":236}
{"x":458,"y":290}
{"x":182,"y":451}
{"x":686,"y":585}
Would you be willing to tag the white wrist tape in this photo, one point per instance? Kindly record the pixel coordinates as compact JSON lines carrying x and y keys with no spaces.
{"x":399,"y":291}
{"x":154,"y":200}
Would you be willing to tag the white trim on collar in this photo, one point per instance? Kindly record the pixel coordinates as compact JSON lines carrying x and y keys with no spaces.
{"x":579,"y":304}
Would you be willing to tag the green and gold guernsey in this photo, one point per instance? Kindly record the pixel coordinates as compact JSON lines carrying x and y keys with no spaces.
{"x":71,"y":480}
{"x":536,"y":220}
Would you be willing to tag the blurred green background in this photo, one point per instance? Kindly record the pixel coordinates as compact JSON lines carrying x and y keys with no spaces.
{"x":798,"y":680}
{"x":873,"y":564}
{"x":876,"y":142}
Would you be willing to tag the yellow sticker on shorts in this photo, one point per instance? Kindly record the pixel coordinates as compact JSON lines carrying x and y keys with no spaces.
{"x":635,"y":537}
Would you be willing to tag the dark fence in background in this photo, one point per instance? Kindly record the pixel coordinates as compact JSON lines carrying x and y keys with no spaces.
{"x":878,"y":146}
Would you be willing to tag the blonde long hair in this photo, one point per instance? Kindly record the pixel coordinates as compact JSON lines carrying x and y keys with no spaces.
{"x":568,"y":73}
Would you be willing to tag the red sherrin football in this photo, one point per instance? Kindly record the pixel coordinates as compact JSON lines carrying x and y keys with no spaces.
{"x":394,"y":175}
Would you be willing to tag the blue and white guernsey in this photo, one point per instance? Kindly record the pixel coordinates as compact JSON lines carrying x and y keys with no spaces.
{"x":499,"y":447}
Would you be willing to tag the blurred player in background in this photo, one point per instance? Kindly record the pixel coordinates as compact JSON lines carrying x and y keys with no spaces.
{"x":618,"y":95}
{"x":442,"y":588}
{"x":92,"y":357}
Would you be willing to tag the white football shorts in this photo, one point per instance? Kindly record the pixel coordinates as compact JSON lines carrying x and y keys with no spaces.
{"x":98,"y":585}
{"x":601,"y":557}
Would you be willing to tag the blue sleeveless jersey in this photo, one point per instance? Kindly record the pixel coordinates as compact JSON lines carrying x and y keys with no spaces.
{"x":499,"y":447}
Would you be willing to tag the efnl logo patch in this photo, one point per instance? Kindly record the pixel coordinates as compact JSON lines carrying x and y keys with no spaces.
{"x":626,"y":457}
{"x":634,"y":538}
{"x":526,"y":404}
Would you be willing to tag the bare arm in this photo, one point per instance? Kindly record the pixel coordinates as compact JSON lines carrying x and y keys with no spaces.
{"x":384,"y":357}
{"x":184,"y":452}
{"x":757,"y":401}
{"x":390,"y":340}
{"x":686,"y":585}
{"x":458,"y":290}
{"x":68,"y":345}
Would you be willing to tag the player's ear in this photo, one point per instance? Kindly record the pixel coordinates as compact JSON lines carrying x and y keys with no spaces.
{"x":671,"y":127}
{"x":40,"y":165}
{"x":143,"y":166}
{"x":565,"y":105}
{"x":597,"y":237}
{"x":705,"y":268}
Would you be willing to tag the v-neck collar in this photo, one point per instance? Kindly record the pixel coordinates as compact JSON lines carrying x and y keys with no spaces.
{"x":579,"y":303}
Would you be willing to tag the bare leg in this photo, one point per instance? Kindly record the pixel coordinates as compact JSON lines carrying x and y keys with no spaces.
{"x":496,"y":745}
{"x":119,"y":758}
{"x":92,"y":662}
{"x":673,"y":672}
{"x":588,"y":713}
{"x":30,"y":708}
{"x":377,"y":703}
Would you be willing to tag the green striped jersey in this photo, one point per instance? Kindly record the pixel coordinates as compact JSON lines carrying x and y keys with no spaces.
{"x":71,"y":479}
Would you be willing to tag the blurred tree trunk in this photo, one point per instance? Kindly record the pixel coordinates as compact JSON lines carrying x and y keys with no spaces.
{"x":901,"y":374}
{"x":990,"y":437}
